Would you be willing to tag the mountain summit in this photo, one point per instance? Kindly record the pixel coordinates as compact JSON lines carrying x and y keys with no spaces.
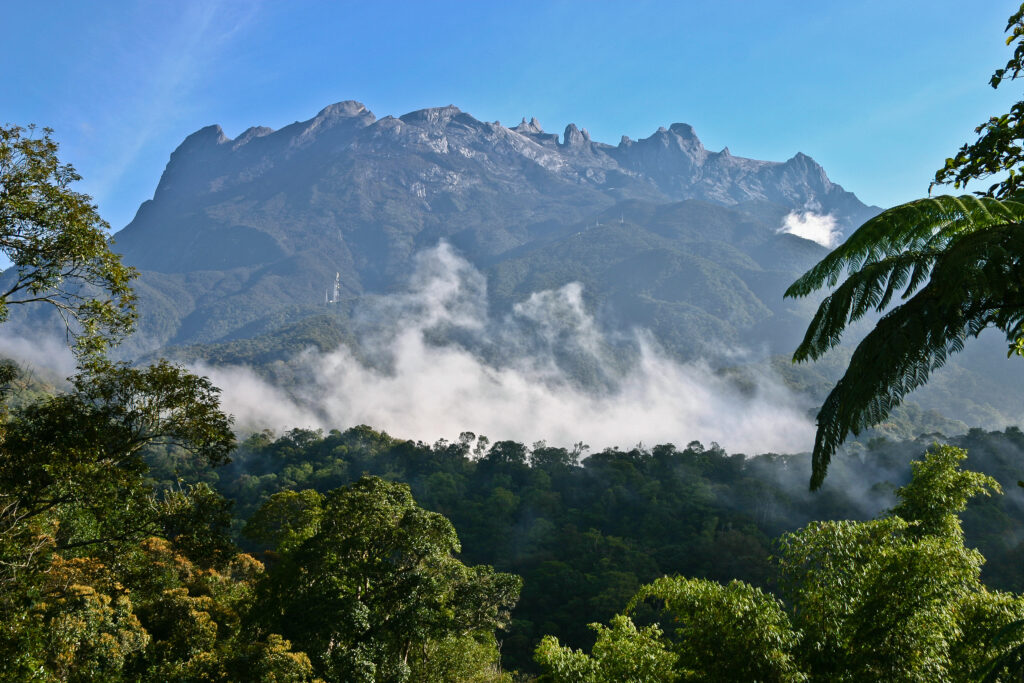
{"x":259,"y":223}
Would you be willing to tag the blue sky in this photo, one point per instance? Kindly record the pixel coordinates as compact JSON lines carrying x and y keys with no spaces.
{"x":878,"y":92}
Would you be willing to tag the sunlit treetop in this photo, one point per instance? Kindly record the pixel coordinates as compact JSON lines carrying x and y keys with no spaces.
{"x":59,"y":248}
{"x":1000,"y":145}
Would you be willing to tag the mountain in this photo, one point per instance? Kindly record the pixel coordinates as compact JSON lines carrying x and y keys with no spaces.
{"x":246,"y":235}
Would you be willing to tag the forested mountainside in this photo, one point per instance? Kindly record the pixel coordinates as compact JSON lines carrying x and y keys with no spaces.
{"x":243,"y":235}
{"x":690,"y":272}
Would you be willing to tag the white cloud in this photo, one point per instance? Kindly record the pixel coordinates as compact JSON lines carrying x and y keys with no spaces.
{"x":414,"y":386}
{"x":812,"y":226}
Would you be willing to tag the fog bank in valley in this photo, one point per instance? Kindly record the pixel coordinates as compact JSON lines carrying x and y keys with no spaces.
{"x":431,"y":362}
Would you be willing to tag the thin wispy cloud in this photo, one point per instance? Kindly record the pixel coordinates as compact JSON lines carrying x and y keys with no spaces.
{"x":162,"y":79}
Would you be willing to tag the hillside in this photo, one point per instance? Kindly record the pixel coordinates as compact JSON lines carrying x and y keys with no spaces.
{"x":244,"y":235}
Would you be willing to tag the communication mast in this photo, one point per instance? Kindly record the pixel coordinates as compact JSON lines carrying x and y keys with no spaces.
{"x":335,"y":297}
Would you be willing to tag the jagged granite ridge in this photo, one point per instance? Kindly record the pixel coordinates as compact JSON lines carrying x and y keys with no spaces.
{"x":242,"y":230}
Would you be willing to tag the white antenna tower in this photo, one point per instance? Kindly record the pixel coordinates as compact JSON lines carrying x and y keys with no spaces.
{"x":337,"y":289}
{"x":334,"y":298}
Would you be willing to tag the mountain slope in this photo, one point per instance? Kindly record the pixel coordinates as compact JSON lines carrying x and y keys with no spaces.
{"x":246,"y":234}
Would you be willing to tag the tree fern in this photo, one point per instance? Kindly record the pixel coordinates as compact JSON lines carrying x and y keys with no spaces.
{"x":956,"y":263}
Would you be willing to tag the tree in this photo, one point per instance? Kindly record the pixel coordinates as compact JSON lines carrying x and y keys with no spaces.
{"x":897,"y":598}
{"x":58,"y":245}
{"x":286,"y":519}
{"x":196,"y":620}
{"x":88,"y":588}
{"x":72,"y":472}
{"x":957,"y":263}
{"x":82,"y":628}
{"x":734,"y":632}
{"x":623,"y":653}
{"x":368,"y":586}
{"x":74,"y":493}
{"x":720,"y":633}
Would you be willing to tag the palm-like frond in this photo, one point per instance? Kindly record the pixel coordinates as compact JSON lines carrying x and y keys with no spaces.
{"x":894,"y":250}
{"x":957,"y":262}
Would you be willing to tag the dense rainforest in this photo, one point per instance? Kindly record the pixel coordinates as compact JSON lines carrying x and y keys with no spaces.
{"x":355,"y":555}
{"x":586,"y":531}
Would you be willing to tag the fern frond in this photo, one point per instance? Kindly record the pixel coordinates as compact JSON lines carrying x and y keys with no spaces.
{"x":870,"y":288}
{"x":977,"y":281}
{"x":922,"y":225}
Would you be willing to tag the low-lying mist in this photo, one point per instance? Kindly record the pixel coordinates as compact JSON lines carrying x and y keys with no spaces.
{"x":43,"y":355}
{"x":432,"y":362}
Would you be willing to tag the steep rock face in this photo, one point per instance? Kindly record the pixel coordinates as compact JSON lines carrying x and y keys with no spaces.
{"x":260,"y":224}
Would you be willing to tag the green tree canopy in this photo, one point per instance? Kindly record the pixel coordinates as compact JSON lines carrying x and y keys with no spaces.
{"x":898,"y":598}
{"x":75,"y":461}
{"x":59,"y":247}
{"x":623,"y":653}
{"x":367,"y":584}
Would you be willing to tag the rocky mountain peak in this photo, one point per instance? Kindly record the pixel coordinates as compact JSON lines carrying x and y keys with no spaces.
{"x":203,"y":138}
{"x":437,"y":116}
{"x":801,"y":159}
{"x":574,"y":137}
{"x":346,"y":108}
{"x":672,"y":163}
{"x":533,"y":127}
{"x":251,"y":134}
{"x":341,"y":115}
{"x":685,"y":131}
{"x":807,"y":169}
{"x":204,"y":148}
